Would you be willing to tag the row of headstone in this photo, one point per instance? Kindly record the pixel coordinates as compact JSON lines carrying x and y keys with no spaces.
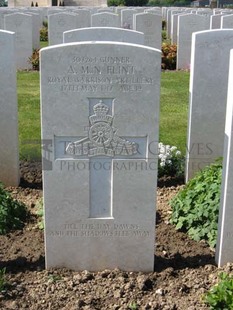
{"x":26,"y":24}
{"x":148,"y":23}
{"x":182,"y":22}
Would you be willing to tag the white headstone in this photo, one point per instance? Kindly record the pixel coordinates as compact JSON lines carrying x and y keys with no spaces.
{"x":127,"y":18}
{"x":227,"y":21}
{"x":21,"y":24}
{"x":83,"y":18}
{"x":105,"y":19}
{"x":224,"y":249}
{"x":103,"y":34}
{"x":215,"y":21}
{"x":174,"y":26}
{"x":151,"y":26}
{"x":57,"y":24}
{"x":171,"y":12}
{"x":208,"y":96}
{"x":100,"y":109}
{"x":9,"y":151}
{"x":188,"y":24}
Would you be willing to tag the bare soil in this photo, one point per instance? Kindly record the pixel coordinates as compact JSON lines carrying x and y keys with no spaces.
{"x":184,"y":269}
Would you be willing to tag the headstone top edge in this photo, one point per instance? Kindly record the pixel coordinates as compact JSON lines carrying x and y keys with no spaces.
{"x":2,"y":31}
{"x":99,"y":43}
{"x":100,"y":28}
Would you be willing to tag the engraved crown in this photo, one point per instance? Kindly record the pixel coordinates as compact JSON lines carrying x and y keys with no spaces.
{"x":100,"y":110}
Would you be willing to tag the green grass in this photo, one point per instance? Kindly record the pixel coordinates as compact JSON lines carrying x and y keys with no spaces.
{"x":173,"y":111}
{"x":29,"y":114}
{"x":43,"y":44}
{"x":174,"y":108}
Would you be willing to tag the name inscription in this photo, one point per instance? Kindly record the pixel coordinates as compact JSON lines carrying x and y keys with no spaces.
{"x":103,"y":74}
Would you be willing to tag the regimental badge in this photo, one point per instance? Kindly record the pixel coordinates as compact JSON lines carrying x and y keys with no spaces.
{"x":102,"y":139}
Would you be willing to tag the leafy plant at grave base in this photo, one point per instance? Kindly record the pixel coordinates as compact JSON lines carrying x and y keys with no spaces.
{"x":40,"y":213}
{"x":171,"y":161}
{"x":12,"y":212}
{"x":54,"y":278}
{"x":3,"y":282}
{"x":220,"y":296}
{"x":34,"y":60}
{"x":44,"y":34}
{"x":133,"y":306}
{"x":164,"y":36}
{"x":195,"y":208}
{"x":169,"y":52}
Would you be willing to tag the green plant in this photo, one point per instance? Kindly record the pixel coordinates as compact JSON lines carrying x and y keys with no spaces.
{"x":44,"y":34}
{"x":220,"y":296}
{"x":169,"y":52}
{"x":3,"y":282}
{"x":115,"y":2}
{"x":133,"y":306}
{"x":12,"y":212}
{"x":171,"y":161}
{"x":54,"y":278}
{"x":195,"y":207}
{"x":164,"y":35}
{"x":40,"y":213}
{"x":34,"y":60}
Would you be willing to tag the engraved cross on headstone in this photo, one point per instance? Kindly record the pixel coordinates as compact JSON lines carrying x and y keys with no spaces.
{"x":102,"y":146}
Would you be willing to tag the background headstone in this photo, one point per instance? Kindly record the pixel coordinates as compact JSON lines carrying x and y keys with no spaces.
{"x":127,"y":18}
{"x":151,"y":26}
{"x":188,"y":24}
{"x":208,"y":96}
{"x":103,"y":34}
{"x":224,"y":248}
{"x":57,"y":24}
{"x":105,"y":19}
{"x":21,"y":24}
{"x":9,"y":151}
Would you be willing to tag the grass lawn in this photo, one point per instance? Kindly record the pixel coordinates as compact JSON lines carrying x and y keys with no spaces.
{"x":173,"y":111}
{"x":174,"y":108}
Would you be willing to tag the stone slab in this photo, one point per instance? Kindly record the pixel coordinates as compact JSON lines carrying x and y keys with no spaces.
{"x":103,"y":34}
{"x":151,"y":25}
{"x":100,"y":113}
{"x":208,"y":97}
{"x":224,"y":248}
{"x":9,"y":152}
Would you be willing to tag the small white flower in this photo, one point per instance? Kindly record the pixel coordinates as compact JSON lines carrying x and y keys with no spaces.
{"x":178,"y":153}
{"x":173,"y":148}
{"x":162,"y":164}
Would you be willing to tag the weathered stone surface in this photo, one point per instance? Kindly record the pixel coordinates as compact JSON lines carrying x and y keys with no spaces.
{"x":9,"y":152}
{"x":100,"y":110}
